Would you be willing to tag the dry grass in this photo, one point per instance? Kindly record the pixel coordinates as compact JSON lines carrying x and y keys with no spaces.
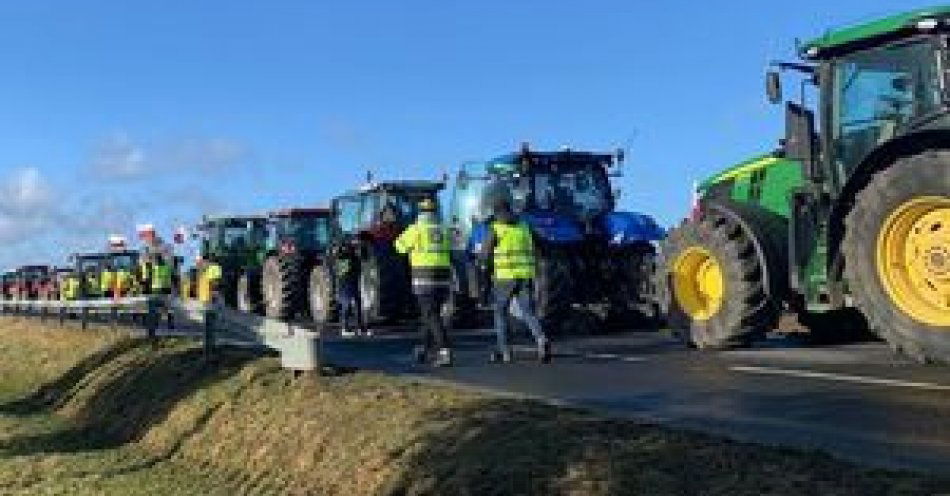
{"x":246,"y":426}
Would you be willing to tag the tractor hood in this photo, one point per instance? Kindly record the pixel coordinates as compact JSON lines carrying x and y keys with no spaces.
{"x":631,"y":227}
{"x":554,"y":228}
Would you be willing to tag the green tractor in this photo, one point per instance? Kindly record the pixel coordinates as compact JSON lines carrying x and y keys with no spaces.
{"x":88,"y":267}
{"x":374,"y":216}
{"x":236,"y":244}
{"x":852,"y":212}
{"x":276,"y":283}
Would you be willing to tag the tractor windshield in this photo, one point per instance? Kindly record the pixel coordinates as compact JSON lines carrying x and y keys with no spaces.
{"x":308,"y":233}
{"x":89,"y":264}
{"x":580,"y":191}
{"x":878,"y":92}
{"x":123,"y":262}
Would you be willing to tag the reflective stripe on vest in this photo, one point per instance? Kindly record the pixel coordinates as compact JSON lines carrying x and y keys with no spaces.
{"x":514,"y":251}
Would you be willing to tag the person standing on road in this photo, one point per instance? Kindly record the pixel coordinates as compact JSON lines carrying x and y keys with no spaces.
{"x":427,"y":244}
{"x":511,"y":247}
{"x":347,"y":265}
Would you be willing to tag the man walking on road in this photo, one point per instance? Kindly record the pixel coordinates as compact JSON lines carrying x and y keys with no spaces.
{"x":512,"y":250}
{"x":427,"y":244}
{"x":347,"y":267}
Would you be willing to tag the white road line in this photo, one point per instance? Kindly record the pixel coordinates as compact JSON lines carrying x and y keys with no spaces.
{"x":603,"y":356}
{"x":632,"y":359}
{"x":858,"y":379}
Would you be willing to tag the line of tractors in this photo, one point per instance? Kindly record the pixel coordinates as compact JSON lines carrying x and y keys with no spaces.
{"x":846,"y":223}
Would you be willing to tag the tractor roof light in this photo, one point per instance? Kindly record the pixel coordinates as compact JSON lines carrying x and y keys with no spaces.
{"x":927,"y":24}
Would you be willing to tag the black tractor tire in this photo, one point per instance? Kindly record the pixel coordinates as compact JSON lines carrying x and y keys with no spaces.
{"x":283,"y":287}
{"x":321,"y":295}
{"x":249,"y":298}
{"x":553,"y":286}
{"x":909,"y":178}
{"x":746,"y":312}
{"x":385,"y":289}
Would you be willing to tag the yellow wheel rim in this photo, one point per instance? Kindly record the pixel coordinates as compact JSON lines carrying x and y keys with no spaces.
{"x":698,"y":283}
{"x":913,"y":259}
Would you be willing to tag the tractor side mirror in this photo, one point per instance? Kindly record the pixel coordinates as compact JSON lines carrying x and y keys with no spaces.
{"x":773,"y":87}
{"x":800,"y":139}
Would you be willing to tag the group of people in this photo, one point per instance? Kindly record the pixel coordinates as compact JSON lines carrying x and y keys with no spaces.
{"x":427,"y":243}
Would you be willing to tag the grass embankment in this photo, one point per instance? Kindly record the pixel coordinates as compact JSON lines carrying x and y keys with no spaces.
{"x":95,"y":413}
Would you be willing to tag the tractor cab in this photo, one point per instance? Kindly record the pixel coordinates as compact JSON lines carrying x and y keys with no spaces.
{"x":89,"y":267}
{"x":559,"y":193}
{"x":879,"y":85}
{"x":30,"y":281}
{"x":381,"y":210}
{"x":6,"y":285}
{"x":232,"y":238}
{"x":298,"y":230}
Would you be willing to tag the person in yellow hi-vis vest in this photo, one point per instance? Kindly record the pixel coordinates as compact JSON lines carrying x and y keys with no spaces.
{"x":427,"y":244}
{"x":107,"y":279}
{"x":70,"y":287}
{"x":209,"y":277}
{"x":511,"y":247}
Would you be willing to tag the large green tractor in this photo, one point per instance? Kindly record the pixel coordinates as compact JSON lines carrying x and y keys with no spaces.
{"x":853,"y":210}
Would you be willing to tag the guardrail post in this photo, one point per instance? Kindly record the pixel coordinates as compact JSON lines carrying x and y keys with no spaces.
{"x":114,"y":314}
{"x":62,"y":315}
{"x":209,"y":322}
{"x":151,"y":319}
{"x":84,"y":318}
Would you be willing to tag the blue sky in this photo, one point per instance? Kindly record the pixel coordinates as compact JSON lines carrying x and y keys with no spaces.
{"x":122,"y":112}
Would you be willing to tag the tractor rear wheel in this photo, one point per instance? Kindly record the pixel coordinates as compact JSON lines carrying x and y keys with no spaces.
{"x":553,"y":289}
{"x":631,"y":294}
{"x":282,"y":284}
{"x":711,"y":287}
{"x":249,"y":293}
{"x":897,"y":255}
{"x":321,"y":298}
{"x":384,"y":288}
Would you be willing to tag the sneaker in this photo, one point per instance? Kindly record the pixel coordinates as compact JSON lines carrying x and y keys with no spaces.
{"x":419,"y":354}
{"x":444,"y":358}
{"x":500,"y":356}
{"x":346,"y":333}
{"x":544,"y":351}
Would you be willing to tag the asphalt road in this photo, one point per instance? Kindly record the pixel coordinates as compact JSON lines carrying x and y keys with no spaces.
{"x":856,"y":401}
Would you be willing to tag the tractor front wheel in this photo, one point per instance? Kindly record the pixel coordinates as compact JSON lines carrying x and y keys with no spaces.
{"x":553,"y":289}
{"x":711,"y":285}
{"x":248,"y":294}
{"x":322,"y":302}
{"x":282,"y":286}
{"x":897,"y":255}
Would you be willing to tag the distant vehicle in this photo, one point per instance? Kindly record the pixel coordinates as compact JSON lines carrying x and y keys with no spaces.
{"x":236,"y":243}
{"x":30,"y":281}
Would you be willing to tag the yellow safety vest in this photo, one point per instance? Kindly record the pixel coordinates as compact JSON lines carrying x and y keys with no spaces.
{"x":107,"y":280}
{"x":161,"y":277}
{"x":514,"y":251}
{"x":206,"y":277}
{"x":429,"y":249}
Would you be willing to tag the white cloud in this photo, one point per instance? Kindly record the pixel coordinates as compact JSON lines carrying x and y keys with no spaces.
{"x":118,"y":157}
{"x":26,"y":204}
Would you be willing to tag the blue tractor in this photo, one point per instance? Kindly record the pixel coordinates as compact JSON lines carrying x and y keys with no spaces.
{"x":590,"y":256}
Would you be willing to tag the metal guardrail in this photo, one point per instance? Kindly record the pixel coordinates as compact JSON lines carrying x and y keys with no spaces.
{"x":300,"y":348}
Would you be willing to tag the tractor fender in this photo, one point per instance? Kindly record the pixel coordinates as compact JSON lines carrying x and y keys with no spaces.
{"x":629,"y":228}
{"x":878,"y":160}
{"x":767,"y":232}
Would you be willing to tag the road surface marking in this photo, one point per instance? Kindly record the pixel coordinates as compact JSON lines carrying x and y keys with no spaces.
{"x":612,"y":356}
{"x":858,"y":379}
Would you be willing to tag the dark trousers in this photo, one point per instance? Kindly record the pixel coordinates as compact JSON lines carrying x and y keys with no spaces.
{"x":351,"y":305}
{"x":430,"y":307}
